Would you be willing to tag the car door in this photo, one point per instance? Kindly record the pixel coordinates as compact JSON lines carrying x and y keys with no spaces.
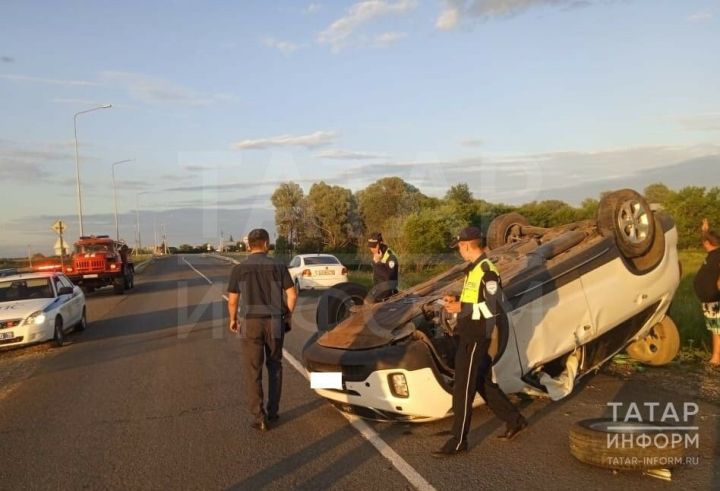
{"x":551,"y":319}
{"x":73,"y":302}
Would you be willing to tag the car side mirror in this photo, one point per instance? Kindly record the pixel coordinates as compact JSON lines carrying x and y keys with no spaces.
{"x":65,"y":290}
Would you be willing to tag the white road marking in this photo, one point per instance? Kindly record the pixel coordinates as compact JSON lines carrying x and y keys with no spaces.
{"x":198,"y":272}
{"x":371,"y":436}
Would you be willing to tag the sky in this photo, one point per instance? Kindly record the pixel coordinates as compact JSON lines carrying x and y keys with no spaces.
{"x":218,"y":102}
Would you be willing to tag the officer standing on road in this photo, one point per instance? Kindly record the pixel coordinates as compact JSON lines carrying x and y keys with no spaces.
{"x":268,"y":300}
{"x":479,"y":311}
{"x":385,"y":269}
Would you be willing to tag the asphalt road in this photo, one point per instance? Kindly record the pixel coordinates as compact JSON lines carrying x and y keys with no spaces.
{"x":150,"y":396}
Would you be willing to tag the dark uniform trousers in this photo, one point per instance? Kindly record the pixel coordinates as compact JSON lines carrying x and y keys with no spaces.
{"x":473,"y":372}
{"x":262,"y":341}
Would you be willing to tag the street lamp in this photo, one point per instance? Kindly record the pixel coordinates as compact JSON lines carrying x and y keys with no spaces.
{"x":117,"y":229}
{"x":77,"y":161}
{"x":137,"y":217}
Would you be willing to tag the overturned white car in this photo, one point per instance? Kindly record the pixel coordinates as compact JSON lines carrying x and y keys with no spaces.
{"x":575,"y":295}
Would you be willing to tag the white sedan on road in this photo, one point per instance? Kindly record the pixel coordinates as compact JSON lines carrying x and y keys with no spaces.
{"x":37,"y":307}
{"x":316,"y":271}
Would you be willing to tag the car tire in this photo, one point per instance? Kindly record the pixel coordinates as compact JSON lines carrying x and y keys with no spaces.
{"x":59,"y":334}
{"x":592,"y":442}
{"x":335,"y":303}
{"x":648,"y":261}
{"x":659,"y":347}
{"x":119,"y":285}
{"x":626,"y":217}
{"x":505,"y":229}
{"x":297,"y":286}
{"x":82,"y":324}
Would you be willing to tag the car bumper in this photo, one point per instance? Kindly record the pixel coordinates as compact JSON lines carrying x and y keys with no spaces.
{"x":23,"y":335}
{"x":366,"y":386}
{"x":320,"y":283}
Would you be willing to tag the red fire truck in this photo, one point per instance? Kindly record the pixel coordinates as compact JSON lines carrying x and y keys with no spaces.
{"x":99,"y":261}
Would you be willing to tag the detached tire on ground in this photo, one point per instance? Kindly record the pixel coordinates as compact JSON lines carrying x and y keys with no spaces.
{"x":335,"y":303}
{"x":592,"y":441}
{"x":505,"y":229}
{"x":625,"y":216}
{"x":659,"y":347}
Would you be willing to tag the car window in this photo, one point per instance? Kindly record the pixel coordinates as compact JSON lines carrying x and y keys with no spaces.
{"x":58,"y":284}
{"x":91,"y":248}
{"x":65,"y":282}
{"x":31,"y":288}
{"x":312,"y":261}
{"x":295,"y":262}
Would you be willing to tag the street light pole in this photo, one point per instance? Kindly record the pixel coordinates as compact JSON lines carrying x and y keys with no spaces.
{"x":137,"y":217}
{"x":117,"y":228}
{"x":77,"y":162}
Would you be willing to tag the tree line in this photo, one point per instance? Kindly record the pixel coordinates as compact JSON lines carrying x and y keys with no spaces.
{"x":331,"y":218}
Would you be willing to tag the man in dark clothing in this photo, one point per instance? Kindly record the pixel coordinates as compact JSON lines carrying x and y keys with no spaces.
{"x":479,"y":311}
{"x":385,"y":269}
{"x":268,"y":299}
{"x":707,"y":288}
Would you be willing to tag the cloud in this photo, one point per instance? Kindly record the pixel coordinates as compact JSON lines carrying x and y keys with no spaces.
{"x":456,"y":10}
{"x":157,"y":91}
{"x":701,"y":122}
{"x":30,"y":161}
{"x":448,"y":19}
{"x":7,"y":59}
{"x":701,"y":16}
{"x":337,"y":154}
{"x":312,"y":140}
{"x":49,"y":81}
{"x":285,"y":47}
{"x":388,"y":38}
{"x":472,"y":142}
{"x":340,"y":33}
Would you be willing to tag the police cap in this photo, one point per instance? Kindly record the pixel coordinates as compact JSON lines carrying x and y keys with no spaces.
{"x":468,"y":233}
{"x":374,"y":239}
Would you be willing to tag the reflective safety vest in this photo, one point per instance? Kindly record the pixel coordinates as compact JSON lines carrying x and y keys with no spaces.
{"x":386,"y":256}
{"x":471,"y":288}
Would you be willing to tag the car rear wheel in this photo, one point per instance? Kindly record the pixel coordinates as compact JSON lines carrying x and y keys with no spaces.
{"x":335,"y":304}
{"x":625,"y":216}
{"x":611,"y":444}
{"x":59,"y":335}
{"x":119,"y":285}
{"x":505,"y":229}
{"x":659,"y":347}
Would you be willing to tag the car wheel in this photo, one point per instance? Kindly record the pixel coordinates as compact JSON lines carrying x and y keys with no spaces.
{"x":659,"y":347}
{"x":119,"y":285}
{"x":505,"y":229}
{"x":59,"y":335}
{"x":83,"y":321}
{"x":611,"y":444}
{"x":297,"y":286}
{"x":627,"y":217}
{"x":335,"y":304}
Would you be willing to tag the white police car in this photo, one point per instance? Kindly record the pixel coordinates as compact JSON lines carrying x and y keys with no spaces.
{"x":39,"y":306}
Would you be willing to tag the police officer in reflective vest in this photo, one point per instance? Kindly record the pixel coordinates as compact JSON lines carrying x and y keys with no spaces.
{"x":479,"y":311}
{"x":385,"y":269}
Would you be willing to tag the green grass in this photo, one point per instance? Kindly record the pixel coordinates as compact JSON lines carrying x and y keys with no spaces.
{"x":685,"y":309}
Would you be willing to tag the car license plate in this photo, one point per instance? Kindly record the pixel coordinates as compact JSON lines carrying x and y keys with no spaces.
{"x":6,"y":335}
{"x":326,"y":380}
{"x":326,"y":272}
{"x":90,"y":276}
